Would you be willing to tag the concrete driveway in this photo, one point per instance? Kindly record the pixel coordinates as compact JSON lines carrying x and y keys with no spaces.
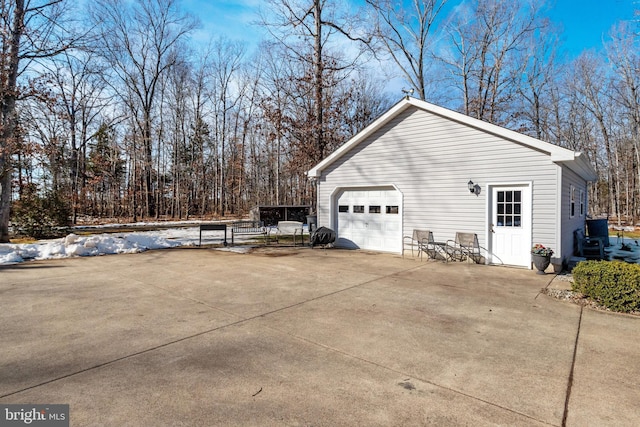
{"x":284,"y":336}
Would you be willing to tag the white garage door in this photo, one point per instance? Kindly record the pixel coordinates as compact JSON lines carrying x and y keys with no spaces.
{"x":370,"y":219}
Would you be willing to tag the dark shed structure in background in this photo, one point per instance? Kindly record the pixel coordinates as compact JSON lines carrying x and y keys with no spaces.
{"x":270,"y":215}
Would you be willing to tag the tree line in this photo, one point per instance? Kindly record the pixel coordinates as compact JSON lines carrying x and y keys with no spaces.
{"x":120,"y":115}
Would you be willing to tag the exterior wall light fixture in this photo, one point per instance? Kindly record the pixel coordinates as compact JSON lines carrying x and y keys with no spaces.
{"x":473,"y":188}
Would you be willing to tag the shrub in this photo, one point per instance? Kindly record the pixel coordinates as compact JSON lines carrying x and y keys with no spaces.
{"x":40,"y":216}
{"x":613,"y":284}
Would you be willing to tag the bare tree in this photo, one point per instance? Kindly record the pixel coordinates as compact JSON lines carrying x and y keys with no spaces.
{"x":482,"y":59}
{"x":276,"y":100}
{"x":142,"y":41}
{"x":177,"y":123}
{"x":79,"y":100}
{"x":29,"y":30}
{"x":404,"y":33}
{"x":226,"y":61}
{"x":46,"y":133}
{"x":200,"y":135}
{"x":622,"y":52}
{"x":105,"y":174}
{"x":591,"y":84}
{"x":245,"y":122}
{"x":533,"y":101}
{"x":306,"y":28}
{"x":366,"y":102}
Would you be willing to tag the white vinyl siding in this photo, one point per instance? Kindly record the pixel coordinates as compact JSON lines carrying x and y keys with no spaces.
{"x":570,"y":180}
{"x":430,"y":159}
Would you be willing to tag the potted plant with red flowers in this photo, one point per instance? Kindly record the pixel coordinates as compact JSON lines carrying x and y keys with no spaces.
{"x":541,"y":256}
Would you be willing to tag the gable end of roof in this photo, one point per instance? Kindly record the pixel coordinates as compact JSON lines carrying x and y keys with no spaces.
{"x":557,"y":154}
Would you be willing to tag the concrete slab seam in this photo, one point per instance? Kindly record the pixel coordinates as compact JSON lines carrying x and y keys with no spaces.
{"x":546,"y":287}
{"x":185,"y":298}
{"x":573,"y":364}
{"x":125,"y":357}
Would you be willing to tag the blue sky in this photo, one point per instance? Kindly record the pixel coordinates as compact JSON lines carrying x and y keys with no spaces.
{"x":585,"y":22}
{"x":235,"y":19}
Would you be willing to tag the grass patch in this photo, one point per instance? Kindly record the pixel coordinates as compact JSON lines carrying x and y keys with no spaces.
{"x":613,"y":234}
{"x":23,"y":240}
{"x":288,"y":239}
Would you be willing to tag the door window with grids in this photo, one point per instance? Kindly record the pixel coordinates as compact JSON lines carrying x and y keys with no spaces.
{"x":509,"y":208}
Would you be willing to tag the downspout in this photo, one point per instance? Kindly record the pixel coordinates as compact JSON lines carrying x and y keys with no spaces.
{"x":560,"y":219}
{"x":313,"y":180}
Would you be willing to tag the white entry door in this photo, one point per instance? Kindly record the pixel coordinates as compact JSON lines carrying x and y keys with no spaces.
{"x":511,"y":225}
{"x":369,"y":219}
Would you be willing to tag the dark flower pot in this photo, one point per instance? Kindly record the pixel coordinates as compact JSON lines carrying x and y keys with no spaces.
{"x":541,"y":262}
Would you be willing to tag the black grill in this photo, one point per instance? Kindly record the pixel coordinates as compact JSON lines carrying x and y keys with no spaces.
{"x":323,"y":236}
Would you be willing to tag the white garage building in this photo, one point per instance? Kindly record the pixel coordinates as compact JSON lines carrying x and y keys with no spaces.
{"x":411,"y":168}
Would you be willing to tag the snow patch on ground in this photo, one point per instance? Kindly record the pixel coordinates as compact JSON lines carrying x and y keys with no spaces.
{"x":107,"y":244}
